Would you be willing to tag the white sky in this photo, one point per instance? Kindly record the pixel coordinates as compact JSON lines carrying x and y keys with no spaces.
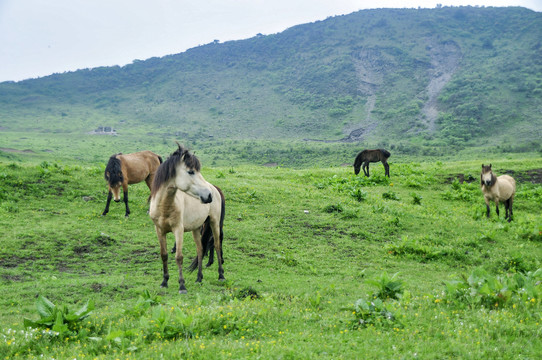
{"x":41,"y":37}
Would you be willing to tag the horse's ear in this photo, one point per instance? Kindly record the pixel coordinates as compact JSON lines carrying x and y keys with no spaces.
{"x":490,"y":166}
{"x":482,"y":166}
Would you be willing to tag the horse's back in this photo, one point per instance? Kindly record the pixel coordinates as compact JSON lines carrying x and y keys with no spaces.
{"x":507,"y":186}
{"x":138,"y":166}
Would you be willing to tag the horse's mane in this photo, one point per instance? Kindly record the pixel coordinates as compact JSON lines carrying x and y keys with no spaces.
{"x":167,"y":169}
{"x":114,"y":170}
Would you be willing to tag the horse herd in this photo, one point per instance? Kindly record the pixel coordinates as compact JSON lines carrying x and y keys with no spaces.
{"x":181,"y":200}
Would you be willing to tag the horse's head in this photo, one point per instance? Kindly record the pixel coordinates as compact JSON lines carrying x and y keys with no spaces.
{"x":487,"y":177}
{"x":357,"y":168}
{"x":182,"y":171}
{"x":113,"y":176}
{"x":190,"y":181}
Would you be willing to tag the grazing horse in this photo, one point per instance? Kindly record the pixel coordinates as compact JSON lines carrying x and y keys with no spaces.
{"x":501,"y":188}
{"x":123,"y":170}
{"x":369,"y":156}
{"x":181,"y":201}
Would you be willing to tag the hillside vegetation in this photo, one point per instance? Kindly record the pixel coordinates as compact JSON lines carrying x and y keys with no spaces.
{"x":419,"y":81}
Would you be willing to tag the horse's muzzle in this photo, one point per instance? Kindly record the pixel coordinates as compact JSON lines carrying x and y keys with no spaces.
{"x":487,"y":182}
{"x":116,"y":200}
{"x":206,"y":200}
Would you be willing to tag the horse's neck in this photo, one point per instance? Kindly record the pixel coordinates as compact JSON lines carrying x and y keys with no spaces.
{"x":166,"y":195}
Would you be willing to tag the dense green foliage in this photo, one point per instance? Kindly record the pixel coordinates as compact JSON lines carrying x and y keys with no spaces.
{"x":314,"y":270}
{"x":373,"y":76}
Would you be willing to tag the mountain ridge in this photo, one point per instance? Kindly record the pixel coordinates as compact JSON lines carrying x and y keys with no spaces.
{"x":450,"y":76}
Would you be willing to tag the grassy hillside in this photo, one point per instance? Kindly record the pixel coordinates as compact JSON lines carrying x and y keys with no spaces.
{"x":319,"y":264}
{"x":416,"y":81}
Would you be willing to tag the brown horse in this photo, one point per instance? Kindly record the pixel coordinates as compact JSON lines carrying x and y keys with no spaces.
{"x":123,"y":170}
{"x":501,"y":188}
{"x":369,"y":156}
{"x":182,"y":200}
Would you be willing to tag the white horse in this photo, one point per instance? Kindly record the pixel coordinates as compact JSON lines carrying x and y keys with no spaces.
{"x":502,"y":188}
{"x":181,"y":201}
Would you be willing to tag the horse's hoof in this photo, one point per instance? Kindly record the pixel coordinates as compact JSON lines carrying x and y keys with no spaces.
{"x":183,"y":292}
{"x":221,"y":278}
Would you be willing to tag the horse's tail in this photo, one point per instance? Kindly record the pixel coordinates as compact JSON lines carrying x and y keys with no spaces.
{"x":207,"y":239}
{"x":385,"y":152}
{"x":113,"y":170}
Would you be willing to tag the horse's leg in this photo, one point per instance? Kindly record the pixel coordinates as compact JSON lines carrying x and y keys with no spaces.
{"x":199,"y":250}
{"x":125,"y":190}
{"x":488,"y":209}
{"x":163,"y":255}
{"x":179,"y":258}
{"x":204,"y":229}
{"x":215,"y":226}
{"x":148,"y":181}
{"x":109,"y":197}
{"x":366,"y":168}
{"x":386,"y":168}
{"x":497,"y":207}
{"x":511,"y":202}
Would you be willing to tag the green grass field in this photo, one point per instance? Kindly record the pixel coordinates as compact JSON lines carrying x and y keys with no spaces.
{"x":319,"y":264}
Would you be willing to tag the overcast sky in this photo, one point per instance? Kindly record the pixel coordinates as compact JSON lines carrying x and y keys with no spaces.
{"x":41,"y":37}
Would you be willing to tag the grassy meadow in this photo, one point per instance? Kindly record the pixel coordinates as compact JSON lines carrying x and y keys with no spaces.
{"x":319,"y":264}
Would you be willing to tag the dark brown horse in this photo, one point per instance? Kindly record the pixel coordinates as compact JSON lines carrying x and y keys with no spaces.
{"x":369,"y":156}
{"x":123,"y":170}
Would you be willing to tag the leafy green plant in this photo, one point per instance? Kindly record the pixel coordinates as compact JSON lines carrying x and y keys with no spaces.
{"x":372,"y":312}
{"x":390,"y":195}
{"x":334,"y":208}
{"x":168,"y":324}
{"x":59,"y":319}
{"x":246,"y":292}
{"x":315,"y":300}
{"x":416,"y":199}
{"x":531,"y":232}
{"x":482,"y":289}
{"x":358,"y":194}
{"x":462,"y":191}
{"x":145,"y":301}
{"x":388,"y":287}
